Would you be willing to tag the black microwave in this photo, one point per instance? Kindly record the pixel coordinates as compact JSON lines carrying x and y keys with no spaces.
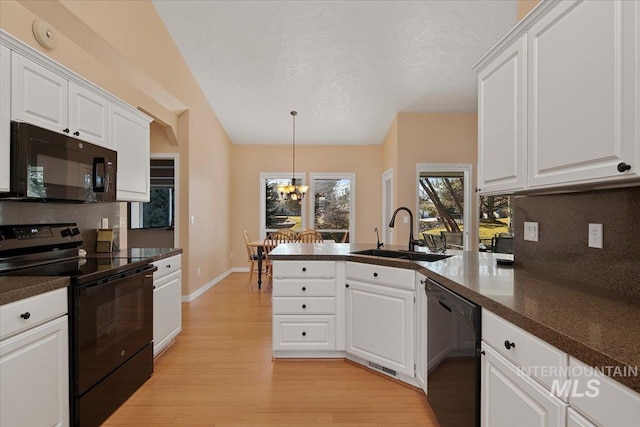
{"x":46,"y":165}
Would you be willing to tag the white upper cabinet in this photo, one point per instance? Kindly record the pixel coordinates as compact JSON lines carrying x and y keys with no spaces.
{"x":38,"y":95}
{"x":501,"y":121}
{"x":129,"y":135}
{"x":582,"y":92}
{"x":5,"y":116}
{"x":88,"y":115}
{"x":558,"y":99}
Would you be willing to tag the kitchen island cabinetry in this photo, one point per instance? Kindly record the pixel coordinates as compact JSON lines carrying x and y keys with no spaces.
{"x":34,"y":361}
{"x":167,"y":302}
{"x":5,"y":116}
{"x":308,"y":309}
{"x":129,"y":135}
{"x":380,"y":318}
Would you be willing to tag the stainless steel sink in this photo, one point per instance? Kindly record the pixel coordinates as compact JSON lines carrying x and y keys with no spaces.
{"x":412,"y":256}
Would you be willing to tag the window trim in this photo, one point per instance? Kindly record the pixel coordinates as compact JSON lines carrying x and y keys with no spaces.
{"x":352,"y":202}
{"x":300,"y":178}
{"x":466,"y":169}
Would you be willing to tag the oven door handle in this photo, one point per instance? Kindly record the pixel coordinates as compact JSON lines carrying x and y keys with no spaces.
{"x":93,"y":287}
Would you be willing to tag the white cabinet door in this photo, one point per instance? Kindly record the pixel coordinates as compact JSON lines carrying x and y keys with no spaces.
{"x":510,"y":398}
{"x":582,"y":93}
{"x":88,"y":115}
{"x":167,"y":310}
{"x":501,"y":121}
{"x":380,"y":325}
{"x":34,"y":377}
{"x":574,"y":419}
{"x":129,"y":135}
{"x":421,"y":332}
{"x":5,"y":116}
{"x":38,"y":96}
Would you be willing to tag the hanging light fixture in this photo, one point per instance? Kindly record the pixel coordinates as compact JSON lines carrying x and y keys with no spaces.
{"x":292,"y":191}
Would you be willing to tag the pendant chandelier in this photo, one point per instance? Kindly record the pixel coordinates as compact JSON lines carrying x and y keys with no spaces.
{"x":292,"y":191}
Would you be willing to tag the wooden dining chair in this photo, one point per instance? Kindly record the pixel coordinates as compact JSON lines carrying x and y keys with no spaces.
{"x":270,"y":242}
{"x":252,"y":256}
{"x":310,"y":236}
{"x":282,"y":236}
{"x":293,"y":235}
{"x":345,"y":237}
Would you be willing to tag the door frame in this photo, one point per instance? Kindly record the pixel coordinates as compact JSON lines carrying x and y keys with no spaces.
{"x":176,"y":191}
{"x":470,"y":227}
{"x":387,"y":201}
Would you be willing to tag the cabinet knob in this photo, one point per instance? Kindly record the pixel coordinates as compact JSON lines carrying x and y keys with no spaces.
{"x":478,"y":190}
{"x":168,"y":265}
{"x":509,"y":345}
{"x":76,"y":133}
{"x":65,"y":130}
{"x":304,"y":288}
{"x":154,"y":286}
{"x":423,"y":281}
{"x":304,"y":305}
{"x":346,"y":285}
{"x":623,"y":167}
{"x":26,"y":315}
{"x":375,"y":274}
{"x":304,"y":268}
{"x":304,"y":334}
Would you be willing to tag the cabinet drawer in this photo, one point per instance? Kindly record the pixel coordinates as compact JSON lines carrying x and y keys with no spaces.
{"x":601,"y":398}
{"x":167,"y":266}
{"x":296,"y":305}
{"x":325,"y":269}
{"x":370,"y":273}
{"x":304,"y":288}
{"x":37,"y":310}
{"x":539,"y":359}
{"x":304,"y":332}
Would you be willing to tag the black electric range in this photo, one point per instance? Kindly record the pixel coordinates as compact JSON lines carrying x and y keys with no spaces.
{"x":110,"y":313}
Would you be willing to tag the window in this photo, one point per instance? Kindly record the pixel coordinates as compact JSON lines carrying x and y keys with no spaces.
{"x":333,"y":197}
{"x":159,"y":212}
{"x":496,"y":220}
{"x":276,"y":213}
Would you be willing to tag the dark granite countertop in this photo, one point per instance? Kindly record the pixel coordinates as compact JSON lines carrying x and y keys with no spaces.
{"x":597,"y":327}
{"x":155,"y":254}
{"x":17,"y":288}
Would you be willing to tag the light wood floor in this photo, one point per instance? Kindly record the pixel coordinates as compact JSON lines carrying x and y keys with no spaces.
{"x":220,"y":372}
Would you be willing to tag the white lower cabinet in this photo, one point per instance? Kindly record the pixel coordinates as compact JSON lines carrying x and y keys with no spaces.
{"x":34,"y":365}
{"x":307,"y":308}
{"x":167,"y":302}
{"x":421,"y":332}
{"x":511,"y":398}
{"x":574,"y":419}
{"x":379,"y":322}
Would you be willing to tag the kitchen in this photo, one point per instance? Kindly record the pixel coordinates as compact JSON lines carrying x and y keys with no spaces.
{"x":205,"y":150}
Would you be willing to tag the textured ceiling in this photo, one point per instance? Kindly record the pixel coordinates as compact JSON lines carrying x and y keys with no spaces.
{"x":347,"y":67}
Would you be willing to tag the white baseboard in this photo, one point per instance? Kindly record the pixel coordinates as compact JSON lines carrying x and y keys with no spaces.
{"x":205,"y":288}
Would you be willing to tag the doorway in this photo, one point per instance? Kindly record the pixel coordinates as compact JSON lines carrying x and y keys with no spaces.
{"x":386,"y":235}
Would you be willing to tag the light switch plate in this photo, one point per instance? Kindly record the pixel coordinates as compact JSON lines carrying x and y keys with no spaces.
{"x":531,"y":231}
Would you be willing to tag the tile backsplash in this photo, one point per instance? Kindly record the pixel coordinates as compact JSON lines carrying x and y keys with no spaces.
{"x":562,"y":250}
{"x":86,"y":215}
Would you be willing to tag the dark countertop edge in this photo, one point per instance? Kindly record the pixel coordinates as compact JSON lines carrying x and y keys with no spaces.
{"x":32,"y":286}
{"x":569,"y":345}
{"x":153,"y":254}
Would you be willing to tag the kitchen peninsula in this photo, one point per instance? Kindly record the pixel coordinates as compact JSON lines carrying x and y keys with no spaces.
{"x":577,"y":323}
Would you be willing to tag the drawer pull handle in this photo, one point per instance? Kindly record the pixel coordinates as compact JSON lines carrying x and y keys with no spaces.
{"x":304,"y":305}
{"x":375,"y":274}
{"x":304,"y":334}
{"x":65,"y":130}
{"x":304,"y":288}
{"x":304,"y":268}
{"x":26,"y":315}
{"x":76,"y":133}
{"x":423,"y":282}
{"x":168,"y":265}
{"x":509,"y":345}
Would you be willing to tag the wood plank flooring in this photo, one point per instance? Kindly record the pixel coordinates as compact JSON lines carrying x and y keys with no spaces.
{"x":220,"y":372}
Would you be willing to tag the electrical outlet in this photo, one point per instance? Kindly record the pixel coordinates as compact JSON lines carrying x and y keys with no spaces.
{"x":531,"y":231}
{"x":595,"y":236}
{"x":193,"y":220}
{"x":198,"y":270}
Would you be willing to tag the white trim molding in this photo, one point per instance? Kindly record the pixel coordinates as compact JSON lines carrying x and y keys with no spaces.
{"x":195,"y":294}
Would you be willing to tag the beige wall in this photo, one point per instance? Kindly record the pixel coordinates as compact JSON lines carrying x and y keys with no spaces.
{"x":525,"y":6}
{"x":248,"y":161}
{"x":124,"y":48}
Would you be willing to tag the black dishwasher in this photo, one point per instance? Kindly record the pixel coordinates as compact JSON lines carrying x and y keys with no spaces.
{"x":453,"y":357}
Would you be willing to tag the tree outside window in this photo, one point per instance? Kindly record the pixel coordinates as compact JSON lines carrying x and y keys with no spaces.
{"x":279,"y":213}
{"x":332,"y":198}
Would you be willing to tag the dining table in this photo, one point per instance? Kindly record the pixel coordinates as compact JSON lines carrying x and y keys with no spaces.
{"x":259,"y":245}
